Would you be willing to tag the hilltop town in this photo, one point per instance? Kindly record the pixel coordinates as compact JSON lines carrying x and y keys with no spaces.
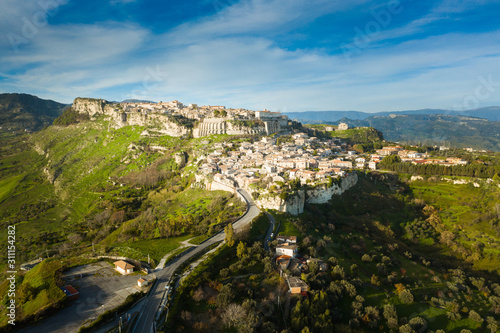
{"x":176,"y":119}
{"x":273,"y":169}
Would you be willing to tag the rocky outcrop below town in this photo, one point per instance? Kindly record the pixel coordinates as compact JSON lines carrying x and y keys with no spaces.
{"x":320,"y":194}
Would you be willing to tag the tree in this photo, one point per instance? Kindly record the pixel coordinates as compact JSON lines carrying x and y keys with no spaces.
{"x":406,"y":296}
{"x":366,"y":258}
{"x":473,"y":315}
{"x":374,"y":280}
{"x":229,"y":231}
{"x":226,"y":296}
{"x":27,"y":292}
{"x":390,"y":161}
{"x":418,"y":324}
{"x":399,"y":288}
{"x":198,"y":295}
{"x":406,"y":329}
{"x":241,"y":250}
{"x":233,"y":316}
{"x":390,"y":311}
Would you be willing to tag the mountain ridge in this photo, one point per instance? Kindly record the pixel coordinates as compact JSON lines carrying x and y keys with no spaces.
{"x":491,"y":113}
{"x":27,"y":112}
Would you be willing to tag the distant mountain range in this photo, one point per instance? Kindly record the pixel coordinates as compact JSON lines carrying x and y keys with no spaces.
{"x":22,"y":111}
{"x":491,"y":113}
{"x":434,"y":129}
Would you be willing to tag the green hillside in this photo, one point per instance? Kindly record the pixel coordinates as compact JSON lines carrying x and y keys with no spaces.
{"x":19,"y":112}
{"x":68,"y":186}
{"x":454,"y":131}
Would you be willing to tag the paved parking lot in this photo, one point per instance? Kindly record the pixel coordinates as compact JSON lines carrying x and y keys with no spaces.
{"x":101,"y":289}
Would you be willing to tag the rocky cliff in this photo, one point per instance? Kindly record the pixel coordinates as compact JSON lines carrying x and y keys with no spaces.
{"x":320,"y":194}
{"x":119,"y":118}
{"x":294,"y":204}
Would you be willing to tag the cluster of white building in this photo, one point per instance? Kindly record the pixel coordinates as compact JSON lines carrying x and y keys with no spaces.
{"x":305,"y":158}
{"x":193,"y":111}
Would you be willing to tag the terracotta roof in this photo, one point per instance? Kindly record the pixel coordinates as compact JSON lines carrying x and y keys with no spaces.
{"x":69,"y":290}
{"x":123,"y":265}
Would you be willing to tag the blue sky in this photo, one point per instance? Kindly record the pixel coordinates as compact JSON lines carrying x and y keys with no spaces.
{"x":283,"y":55}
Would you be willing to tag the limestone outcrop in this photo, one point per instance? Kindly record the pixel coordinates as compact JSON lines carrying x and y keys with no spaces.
{"x":294,"y":204}
{"x":120,"y":118}
{"x":320,"y":194}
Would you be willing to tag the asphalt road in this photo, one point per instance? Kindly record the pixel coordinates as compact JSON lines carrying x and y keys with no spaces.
{"x":151,"y":304}
{"x":269,"y":231}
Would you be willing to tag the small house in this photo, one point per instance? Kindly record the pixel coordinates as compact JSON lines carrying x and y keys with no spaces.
{"x":287,"y":250}
{"x":296,"y":285}
{"x":123,"y":267}
{"x":142,"y":283}
{"x":287,"y":239}
{"x":283,"y":262}
{"x":71,"y":293}
{"x":342,"y":127}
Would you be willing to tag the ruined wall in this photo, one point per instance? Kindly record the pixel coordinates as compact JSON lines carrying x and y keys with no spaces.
{"x":212,"y":126}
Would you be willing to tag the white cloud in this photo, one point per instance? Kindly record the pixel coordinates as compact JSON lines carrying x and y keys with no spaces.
{"x":231,"y":59}
{"x":258,"y":17}
{"x":22,"y":21}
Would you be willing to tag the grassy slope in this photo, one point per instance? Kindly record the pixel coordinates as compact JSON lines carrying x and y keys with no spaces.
{"x":44,"y":280}
{"x":465,"y":210}
{"x":92,"y":168}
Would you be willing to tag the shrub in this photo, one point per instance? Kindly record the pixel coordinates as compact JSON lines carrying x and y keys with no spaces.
{"x":406,"y":296}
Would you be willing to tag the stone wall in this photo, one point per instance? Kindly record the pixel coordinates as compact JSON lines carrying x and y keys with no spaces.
{"x":210,"y":126}
{"x":216,"y":186}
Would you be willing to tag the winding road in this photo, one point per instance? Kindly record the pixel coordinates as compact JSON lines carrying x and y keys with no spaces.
{"x":150,"y":305}
{"x":272,"y":223}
